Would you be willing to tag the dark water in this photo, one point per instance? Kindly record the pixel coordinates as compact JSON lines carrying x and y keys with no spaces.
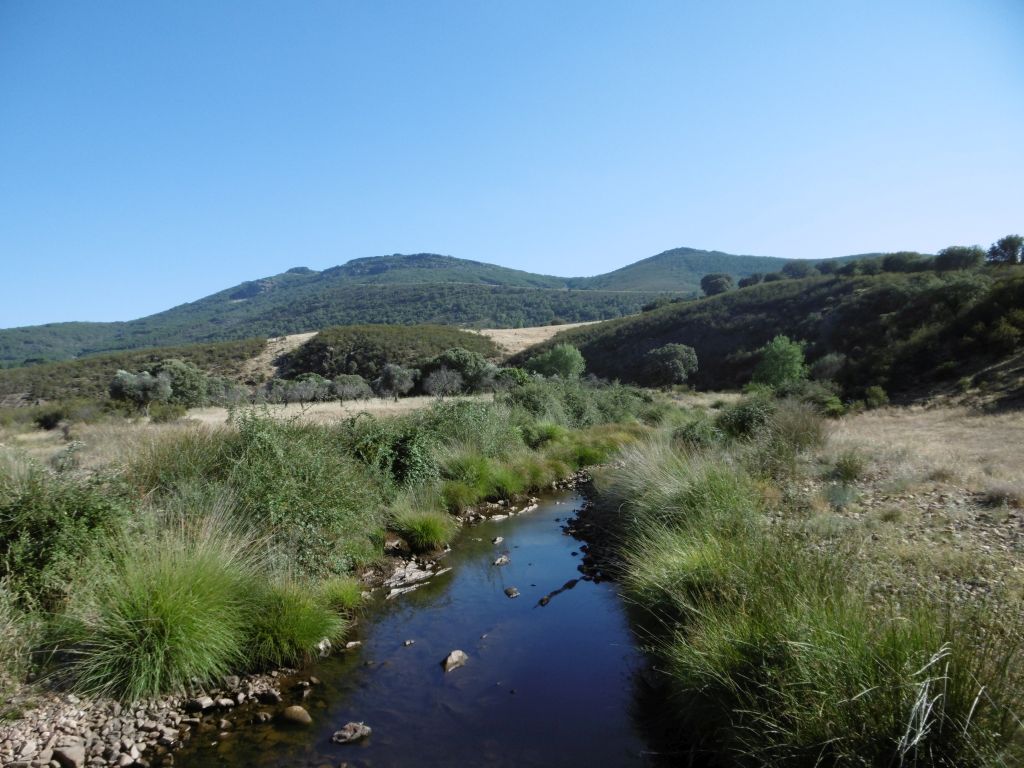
{"x":544,"y":686}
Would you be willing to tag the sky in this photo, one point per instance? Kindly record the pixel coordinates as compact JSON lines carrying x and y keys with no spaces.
{"x":152,"y":153}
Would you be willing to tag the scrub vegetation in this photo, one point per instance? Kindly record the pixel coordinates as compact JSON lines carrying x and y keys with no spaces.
{"x":205,"y":550}
{"x":788,"y":628}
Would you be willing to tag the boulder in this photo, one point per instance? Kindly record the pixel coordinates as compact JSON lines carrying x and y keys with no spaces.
{"x":511,"y":592}
{"x":70,"y":757}
{"x":455,"y":660}
{"x":296,"y":715}
{"x":351,"y":732}
{"x":503,"y":560}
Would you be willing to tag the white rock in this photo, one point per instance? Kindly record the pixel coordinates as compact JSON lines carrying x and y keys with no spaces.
{"x":455,"y":660}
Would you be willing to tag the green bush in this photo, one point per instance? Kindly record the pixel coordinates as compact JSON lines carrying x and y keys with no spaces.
{"x":163,"y":413}
{"x":425,"y":529}
{"x":849,"y":466}
{"x":290,"y":619}
{"x":875,"y":397}
{"x":562,"y":360}
{"x":163,"y":610}
{"x":746,"y":417}
{"x":48,"y":524}
{"x":782,"y":362}
{"x":341,"y":593}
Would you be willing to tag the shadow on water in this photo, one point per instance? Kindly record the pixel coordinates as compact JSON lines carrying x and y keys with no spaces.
{"x":545,"y":685}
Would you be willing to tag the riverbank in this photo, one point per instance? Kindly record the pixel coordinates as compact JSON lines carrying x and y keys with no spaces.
{"x":259,"y":520}
{"x":809,"y":598}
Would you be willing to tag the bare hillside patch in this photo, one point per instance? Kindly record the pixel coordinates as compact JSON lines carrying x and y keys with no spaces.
{"x":512,"y":341}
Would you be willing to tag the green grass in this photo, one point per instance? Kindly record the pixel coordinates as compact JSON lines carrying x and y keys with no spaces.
{"x":774,"y":652}
{"x":343,"y":594}
{"x":291,"y":618}
{"x":425,"y":529}
{"x":164,"y":609}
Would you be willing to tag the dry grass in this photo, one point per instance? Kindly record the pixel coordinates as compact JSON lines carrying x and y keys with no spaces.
{"x":958,"y":445}
{"x":512,"y":341}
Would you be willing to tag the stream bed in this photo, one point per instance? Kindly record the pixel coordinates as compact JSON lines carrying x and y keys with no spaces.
{"x":545,"y":685}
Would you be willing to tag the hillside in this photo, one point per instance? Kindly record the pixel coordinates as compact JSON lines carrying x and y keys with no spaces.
{"x":904,"y":331}
{"x":399,"y":290}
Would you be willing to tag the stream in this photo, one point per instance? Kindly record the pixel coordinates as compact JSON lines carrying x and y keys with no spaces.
{"x":547,"y":685}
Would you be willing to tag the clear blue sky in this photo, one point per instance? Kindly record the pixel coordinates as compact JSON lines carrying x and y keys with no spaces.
{"x":154,"y":152}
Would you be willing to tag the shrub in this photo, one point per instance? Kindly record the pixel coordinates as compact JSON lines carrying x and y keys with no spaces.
{"x":562,"y":360}
{"x":163,"y":610}
{"x":351,"y":387}
{"x":17,"y":635}
{"x":188,"y":383}
{"x":290,"y":619}
{"x":782,"y":362}
{"x":48,"y":524}
{"x":875,"y":397}
{"x":341,"y":593}
{"x":849,"y":466}
{"x":425,"y":529}
{"x":746,"y":417}
{"x":671,"y":364}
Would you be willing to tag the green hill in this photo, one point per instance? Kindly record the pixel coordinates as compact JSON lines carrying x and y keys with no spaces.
{"x":401,"y":290}
{"x":907,"y":332}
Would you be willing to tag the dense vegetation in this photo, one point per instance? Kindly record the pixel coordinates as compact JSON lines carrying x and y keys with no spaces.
{"x":90,"y":377}
{"x":770,"y":646}
{"x":898,"y":330}
{"x":217,"y":550}
{"x":365,"y":349}
{"x":396,"y":290}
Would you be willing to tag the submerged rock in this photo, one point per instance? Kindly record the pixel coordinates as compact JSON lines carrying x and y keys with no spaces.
{"x":296,"y":715}
{"x":455,"y":660}
{"x":351,"y":732}
{"x":511,"y":592}
{"x":503,"y":560}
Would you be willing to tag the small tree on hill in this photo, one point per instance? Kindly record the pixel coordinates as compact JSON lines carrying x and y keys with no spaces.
{"x":140,"y":389}
{"x":562,"y":360}
{"x":443,"y":382}
{"x":350,"y":386}
{"x":1006,"y":250}
{"x":752,"y":279}
{"x":473,"y":368}
{"x":394,"y":380}
{"x":959,"y":257}
{"x":188,"y":383}
{"x":782,"y":362}
{"x":798,"y":269}
{"x":671,"y":364}
{"x":716,"y":282}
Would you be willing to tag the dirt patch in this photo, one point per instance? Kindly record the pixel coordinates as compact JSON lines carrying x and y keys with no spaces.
{"x":263,"y":367}
{"x":512,"y":341}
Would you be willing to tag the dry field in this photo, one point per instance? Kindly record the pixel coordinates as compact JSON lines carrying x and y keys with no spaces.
{"x":512,"y":341}
{"x":262,"y":366}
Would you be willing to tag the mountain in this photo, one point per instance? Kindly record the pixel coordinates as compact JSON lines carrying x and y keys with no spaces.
{"x":398,"y":289}
{"x":682,"y":268}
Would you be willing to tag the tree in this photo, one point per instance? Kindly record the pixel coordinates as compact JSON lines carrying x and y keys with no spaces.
{"x":473,"y":368}
{"x":350,"y":386}
{"x":782,"y":362}
{"x":959,"y":257}
{"x":311,"y":388}
{"x":510,"y":378}
{"x":903,"y":261}
{"x":752,"y":279}
{"x":562,"y":360}
{"x":1006,"y":250}
{"x":827,"y":266}
{"x":798,"y":269}
{"x":671,"y":364}
{"x":394,"y":380}
{"x":140,"y":389}
{"x":715,"y":283}
{"x":443,"y":382}
{"x":188,"y":383}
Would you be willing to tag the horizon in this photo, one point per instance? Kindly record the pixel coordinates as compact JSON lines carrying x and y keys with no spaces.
{"x":157,"y":154}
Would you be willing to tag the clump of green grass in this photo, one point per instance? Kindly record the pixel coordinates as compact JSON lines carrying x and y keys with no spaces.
{"x":425,"y":529}
{"x":341,"y":593}
{"x":290,"y":619}
{"x":17,"y":635}
{"x":164,"y":609}
{"x":849,"y":466}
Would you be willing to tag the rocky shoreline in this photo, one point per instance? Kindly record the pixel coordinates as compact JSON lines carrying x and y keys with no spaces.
{"x":61,"y":730}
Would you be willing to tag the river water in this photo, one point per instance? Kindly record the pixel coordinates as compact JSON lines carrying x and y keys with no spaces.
{"x":547,"y":685}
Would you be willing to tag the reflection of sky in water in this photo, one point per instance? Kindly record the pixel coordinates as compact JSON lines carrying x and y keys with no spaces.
{"x":544,"y":686}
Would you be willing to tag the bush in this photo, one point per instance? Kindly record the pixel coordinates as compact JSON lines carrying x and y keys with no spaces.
{"x":289,"y":621}
{"x":698,"y":433}
{"x":875,"y":397}
{"x":425,"y":529}
{"x":746,"y":417}
{"x":849,"y":466}
{"x":342,"y":594}
{"x":49,"y":524}
{"x":562,"y":360}
{"x":164,"y":413}
{"x":163,"y":610}
{"x":671,"y":364}
{"x":782,"y":362}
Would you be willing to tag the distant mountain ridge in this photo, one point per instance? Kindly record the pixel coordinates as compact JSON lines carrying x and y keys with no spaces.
{"x":397,"y":289}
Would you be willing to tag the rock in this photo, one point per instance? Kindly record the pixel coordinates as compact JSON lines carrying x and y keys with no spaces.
{"x":231,"y":682}
{"x":352,"y":645}
{"x":200,"y":704}
{"x":497,"y":540}
{"x":263,"y":717}
{"x":269,"y":697}
{"x":225,"y":703}
{"x":503,"y":560}
{"x":296,"y":715}
{"x":455,"y":660}
{"x":351,"y":732}
{"x":70,"y":757}
{"x":407,"y":643}
{"x":324,"y":647}
{"x":511,"y":592}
